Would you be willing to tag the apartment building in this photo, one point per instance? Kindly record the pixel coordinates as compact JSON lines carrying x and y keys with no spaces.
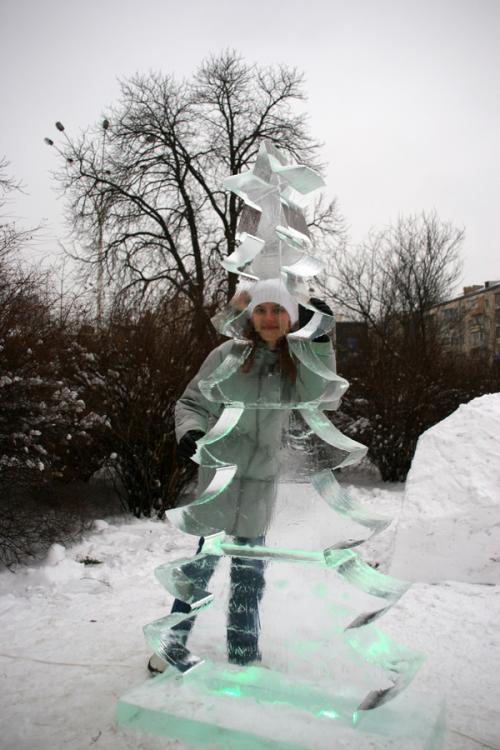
{"x":471,"y":323}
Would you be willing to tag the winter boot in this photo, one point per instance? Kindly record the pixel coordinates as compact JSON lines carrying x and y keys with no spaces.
{"x":157,"y":665}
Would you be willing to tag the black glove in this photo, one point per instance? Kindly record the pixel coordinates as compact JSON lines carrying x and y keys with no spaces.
{"x":305,"y":315}
{"x":187,"y":443}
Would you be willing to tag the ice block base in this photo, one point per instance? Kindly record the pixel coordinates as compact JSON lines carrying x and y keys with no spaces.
{"x":244,"y":708}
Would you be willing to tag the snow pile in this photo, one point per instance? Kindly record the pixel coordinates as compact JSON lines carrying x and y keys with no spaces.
{"x":58,"y":568}
{"x":450,"y":520}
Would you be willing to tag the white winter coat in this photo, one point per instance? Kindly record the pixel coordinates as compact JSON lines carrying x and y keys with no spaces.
{"x":245,"y":507}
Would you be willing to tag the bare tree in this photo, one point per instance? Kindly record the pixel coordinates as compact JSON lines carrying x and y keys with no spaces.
{"x":12,"y":237}
{"x":401,"y":382}
{"x":7,"y":183}
{"x":158,"y":176}
{"x":393,"y":279}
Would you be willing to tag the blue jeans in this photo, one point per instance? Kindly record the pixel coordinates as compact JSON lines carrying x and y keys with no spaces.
{"x":247,"y":588}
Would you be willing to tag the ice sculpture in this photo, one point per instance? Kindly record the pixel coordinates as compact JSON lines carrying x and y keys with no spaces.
{"x":318,"y":653}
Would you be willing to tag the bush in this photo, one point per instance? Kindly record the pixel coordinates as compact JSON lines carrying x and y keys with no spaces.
{"x":395,"y":396}
{"x":140,"y":363}
{"x":76,"y":398}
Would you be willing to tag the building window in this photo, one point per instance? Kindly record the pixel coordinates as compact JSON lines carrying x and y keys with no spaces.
{"x":498,"y":332}
{"x":478,"y":320}
{"x":497,"y":316}
{"x":477,"y":338}
{"x":497,"y":299}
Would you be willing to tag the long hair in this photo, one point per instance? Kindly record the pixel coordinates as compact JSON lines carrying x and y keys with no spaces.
{"x":285,"y":360}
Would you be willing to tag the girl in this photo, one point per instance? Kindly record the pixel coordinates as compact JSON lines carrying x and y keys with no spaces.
{"x":268,"y":383}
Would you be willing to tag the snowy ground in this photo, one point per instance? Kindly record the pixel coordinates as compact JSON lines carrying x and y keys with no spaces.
{"x":72,"y":640}
{"x":72,"y":632}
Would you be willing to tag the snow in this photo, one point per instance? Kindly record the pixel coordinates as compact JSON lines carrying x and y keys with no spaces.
{"x":450,"y":519}
{"x":72,"y":632}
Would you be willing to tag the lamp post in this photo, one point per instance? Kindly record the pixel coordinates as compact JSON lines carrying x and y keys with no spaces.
{"x":100,"y":209}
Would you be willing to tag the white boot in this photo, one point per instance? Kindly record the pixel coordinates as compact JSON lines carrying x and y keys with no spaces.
{"x":157,"y":665}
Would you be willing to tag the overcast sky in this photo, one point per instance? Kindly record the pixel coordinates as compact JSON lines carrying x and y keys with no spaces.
{"x":405,"y":95}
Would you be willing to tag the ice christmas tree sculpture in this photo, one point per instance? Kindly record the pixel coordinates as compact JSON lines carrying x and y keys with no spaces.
{"x":324,"y":657}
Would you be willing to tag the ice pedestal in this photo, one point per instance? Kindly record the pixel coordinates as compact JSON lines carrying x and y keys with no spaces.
{"x":233,"y":708}
{"x":315,"y":672}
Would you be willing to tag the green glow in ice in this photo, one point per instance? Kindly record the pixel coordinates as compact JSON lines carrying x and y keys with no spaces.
{"x":184,"y":710}
{"x":378,"y":649}
{"x":234,"y":691}
{"x":247,"y":675}
{"x":329,"y":714}
{"x":268,"y":687}
{"x":356,"y":717}
{"x":376,"y":652}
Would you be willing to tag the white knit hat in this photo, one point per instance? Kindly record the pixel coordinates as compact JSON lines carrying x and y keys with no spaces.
{"x":273,"y":290}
